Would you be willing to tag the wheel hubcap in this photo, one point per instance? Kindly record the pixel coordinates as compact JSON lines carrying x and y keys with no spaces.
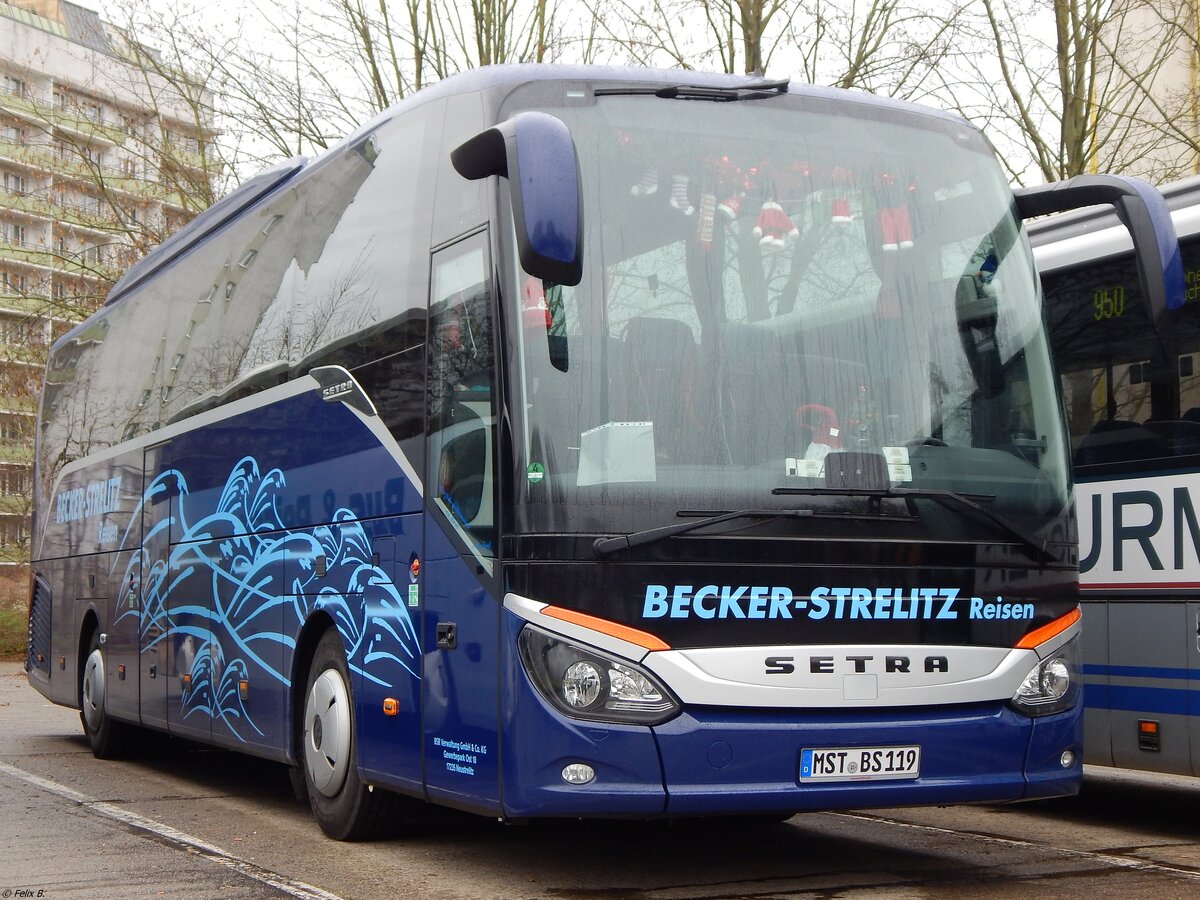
{"x":327,"y":737}
{"x":93,"y":689}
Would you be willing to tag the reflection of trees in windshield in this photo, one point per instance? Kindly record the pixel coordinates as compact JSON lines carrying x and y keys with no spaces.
{"x":461,"y":362}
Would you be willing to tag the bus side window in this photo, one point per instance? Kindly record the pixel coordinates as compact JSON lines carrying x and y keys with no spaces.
{"x":461,"y":412}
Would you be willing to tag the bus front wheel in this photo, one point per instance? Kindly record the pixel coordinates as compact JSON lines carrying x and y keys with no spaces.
{"x":107,"y":737}
{"x":345,"y":807}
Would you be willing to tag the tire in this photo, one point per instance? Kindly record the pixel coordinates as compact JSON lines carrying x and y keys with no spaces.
{"x":108,"y":738}
{"x":344,"y":807}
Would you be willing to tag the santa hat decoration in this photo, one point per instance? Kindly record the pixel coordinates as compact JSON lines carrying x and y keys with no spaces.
{"x":773,"y":228}
{"x":841,"y":211}
{"x":737,"y":181}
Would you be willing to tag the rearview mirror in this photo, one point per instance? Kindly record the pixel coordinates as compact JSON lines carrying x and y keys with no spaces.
{"x":536,"y":153}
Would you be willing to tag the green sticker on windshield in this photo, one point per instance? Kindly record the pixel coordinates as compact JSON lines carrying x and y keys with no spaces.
{"x":535,"y":472}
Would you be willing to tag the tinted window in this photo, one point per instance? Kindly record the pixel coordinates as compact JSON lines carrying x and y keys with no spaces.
{"x":1132,"y":394}
{"x":461,"y":397}
{"x":363,"y":248}
{"x":332,"y":271}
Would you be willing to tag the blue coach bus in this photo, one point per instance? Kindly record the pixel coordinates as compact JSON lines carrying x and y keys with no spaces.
{"x":585,"y":442}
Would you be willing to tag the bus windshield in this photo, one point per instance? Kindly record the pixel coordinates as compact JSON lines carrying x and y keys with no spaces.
{"x":775,"y":290}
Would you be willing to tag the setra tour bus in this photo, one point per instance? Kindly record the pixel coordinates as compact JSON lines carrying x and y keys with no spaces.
{"x":585,"y":442}
{"x":1132,"y":397}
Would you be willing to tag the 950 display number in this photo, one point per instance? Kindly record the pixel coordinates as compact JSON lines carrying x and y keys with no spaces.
{"x":859,"y":763}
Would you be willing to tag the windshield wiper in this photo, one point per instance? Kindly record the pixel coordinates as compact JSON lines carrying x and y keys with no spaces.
{"x":752,"y":90}
{"x":1038,"y":552}
{"x":606,"y":546}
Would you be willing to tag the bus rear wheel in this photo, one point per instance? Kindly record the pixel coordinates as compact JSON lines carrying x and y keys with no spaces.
{"x":344,"y":807}
{"x":107,"y":737}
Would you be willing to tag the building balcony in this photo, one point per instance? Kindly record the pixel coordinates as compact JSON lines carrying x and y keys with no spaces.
{"x":14,"y":556}
{"x":30,"y":204}
{"x":25,"y":107}
{"x":23,"y":361}
{"x":16,"y":404}
{"x":24,"y":304}
{"x":24,"y":253}
{"x":33,"y":354}
{"x":34,"y":156}
{"x":45,"y":115}
{"x":92,"y":220}
{"x":16,"y":452}
{"x":83,"y":128}
{"x":73,"y":263}
{"x":72,"y":168}
{"x":68,"y":169}
{"x":180,"y":158}
{"x":14,"y":505}
{"x":21,"y":304}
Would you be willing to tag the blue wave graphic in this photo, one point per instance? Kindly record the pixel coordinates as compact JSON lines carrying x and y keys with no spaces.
{"x":235,"y":557}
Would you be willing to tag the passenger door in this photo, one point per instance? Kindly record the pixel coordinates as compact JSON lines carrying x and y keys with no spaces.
{"x":391,"y":743}
{"x":460,"y":683}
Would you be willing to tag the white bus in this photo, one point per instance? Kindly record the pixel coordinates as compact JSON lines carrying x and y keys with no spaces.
{"x":1132,"y":397}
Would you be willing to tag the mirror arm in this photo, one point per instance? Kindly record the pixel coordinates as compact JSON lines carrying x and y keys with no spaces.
{"x":483,"y":155}
{"x":1141,"y":208}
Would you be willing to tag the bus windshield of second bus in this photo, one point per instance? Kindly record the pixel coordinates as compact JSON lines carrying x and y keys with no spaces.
{"x":799,"y":282}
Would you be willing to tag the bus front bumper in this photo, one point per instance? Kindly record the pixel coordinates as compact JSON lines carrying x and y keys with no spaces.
{"x":730,"y":762}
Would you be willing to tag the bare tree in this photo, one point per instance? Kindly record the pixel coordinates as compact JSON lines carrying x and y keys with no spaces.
{"x":312,"y":72}
{"x":886,"y":46}
{"x":1073,"y":86}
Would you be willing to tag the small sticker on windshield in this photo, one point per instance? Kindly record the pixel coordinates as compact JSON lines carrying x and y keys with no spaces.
{"x":900,"y":473}
{"x":896,"y":456}
{"x":804,"y":468}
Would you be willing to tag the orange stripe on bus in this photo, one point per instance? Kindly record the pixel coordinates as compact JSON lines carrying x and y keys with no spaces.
{"x":612,"y":629}
{"x":1053,"y":629}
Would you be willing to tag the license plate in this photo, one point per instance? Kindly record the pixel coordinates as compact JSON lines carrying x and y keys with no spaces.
{"x":860,"y":763}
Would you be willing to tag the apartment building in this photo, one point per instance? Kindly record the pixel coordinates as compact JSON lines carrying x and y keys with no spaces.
{"x":103,"y":152}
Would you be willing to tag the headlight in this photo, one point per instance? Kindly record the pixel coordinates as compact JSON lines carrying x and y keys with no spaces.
{"x":1053,"y":685}
{"x":588,"y":684}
